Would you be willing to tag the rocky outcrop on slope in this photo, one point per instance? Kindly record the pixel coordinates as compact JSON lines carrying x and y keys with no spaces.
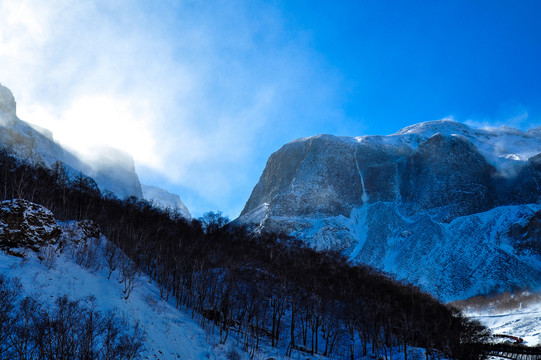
{"x":113,"y":170}
{"x":424,"y":204}
{"x":25,"y":225}
{"x":81,"y":230}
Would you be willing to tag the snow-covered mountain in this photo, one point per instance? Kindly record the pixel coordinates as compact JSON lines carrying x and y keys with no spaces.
{"x":112,"y":169}
{"x":446,"y":206}
{"x":165,"y":200}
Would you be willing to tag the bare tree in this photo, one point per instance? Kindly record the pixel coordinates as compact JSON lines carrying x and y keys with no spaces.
{"x":10,"y":291}
{"x":129,"y":276}
{"x":112,"y":257}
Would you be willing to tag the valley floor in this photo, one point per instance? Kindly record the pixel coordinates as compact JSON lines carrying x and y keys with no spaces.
{"x":523,"y":322}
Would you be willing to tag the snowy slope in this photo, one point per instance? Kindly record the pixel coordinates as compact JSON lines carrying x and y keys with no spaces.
{"x":74,"y":262}
{"x":171,"y":334}
{"x":469,"y":256}
{"x":524,"y":323}
{"x":517,"y":314}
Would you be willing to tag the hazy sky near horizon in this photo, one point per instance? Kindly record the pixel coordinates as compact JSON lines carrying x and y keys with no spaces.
{"x":202,"y":92}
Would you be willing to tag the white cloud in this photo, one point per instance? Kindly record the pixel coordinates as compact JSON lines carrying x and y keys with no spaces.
{"x":190,"y":89}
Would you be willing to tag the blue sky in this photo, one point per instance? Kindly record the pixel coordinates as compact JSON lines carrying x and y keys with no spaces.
{"x":407,"y":61}
{"x":202,"y":92}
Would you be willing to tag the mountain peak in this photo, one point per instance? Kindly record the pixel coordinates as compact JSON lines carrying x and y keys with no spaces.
{"x":112,"y":169}
{"x":7,"y":101}
{"x":443,"y":126}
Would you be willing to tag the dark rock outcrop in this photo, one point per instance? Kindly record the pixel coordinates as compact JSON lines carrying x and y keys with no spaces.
{"x":25,"y":225}
{"x":449,"y":174}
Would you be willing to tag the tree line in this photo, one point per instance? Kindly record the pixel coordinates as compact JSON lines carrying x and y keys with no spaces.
{"x":262,"y":287}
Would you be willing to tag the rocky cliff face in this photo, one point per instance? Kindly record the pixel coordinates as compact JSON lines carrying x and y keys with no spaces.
{"x":296,"y":182}
{"x":434,"y":204}
{"x":113,"y":170}
{"x":21,"y":138}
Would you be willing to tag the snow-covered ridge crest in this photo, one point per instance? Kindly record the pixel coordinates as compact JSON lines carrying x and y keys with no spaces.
{"x":497,"y":144}
{"x":502,"y":146}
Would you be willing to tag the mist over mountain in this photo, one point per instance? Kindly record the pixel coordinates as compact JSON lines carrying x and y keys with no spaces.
{"x":441,"y":204}
{"x":112,"y":169}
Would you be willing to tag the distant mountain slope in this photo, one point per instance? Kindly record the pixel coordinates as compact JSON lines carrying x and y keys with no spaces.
{"x":113,"y":170}
{"x":165,"y":200}
{"x":440,"y":204}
